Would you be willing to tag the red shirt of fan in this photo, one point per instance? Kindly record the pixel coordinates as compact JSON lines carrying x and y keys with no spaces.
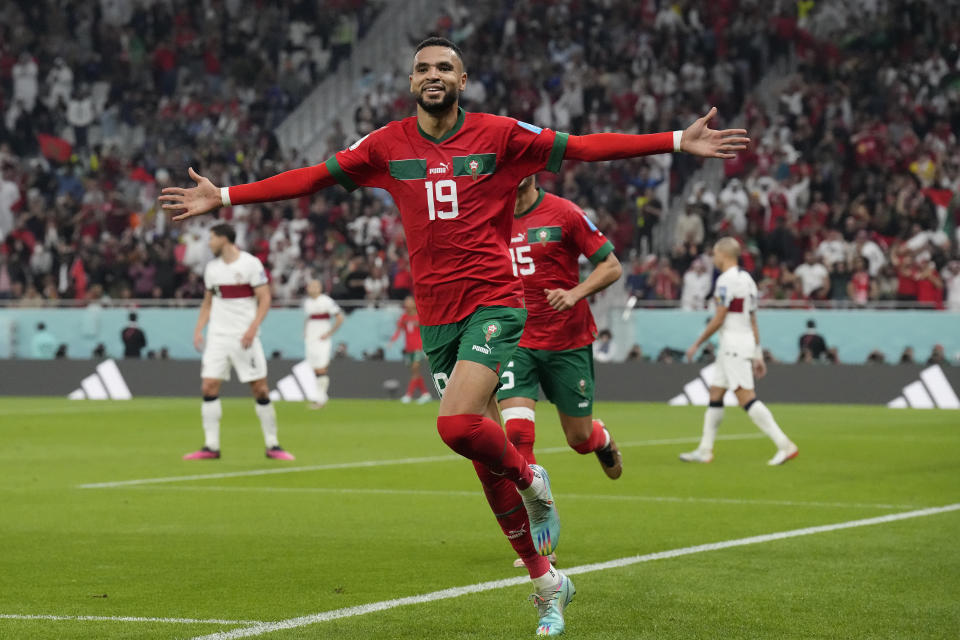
{"x":861,"y":287}
{"x":545,"y":246}
{"x":456,"y":199}
{"x":409,"y":326}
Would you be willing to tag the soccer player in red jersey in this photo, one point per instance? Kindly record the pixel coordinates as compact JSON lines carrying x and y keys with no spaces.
{"x":453,"y":176}
{"x":549,"y":236}
{"x":555,"y":353}
{"x":409,"y":326}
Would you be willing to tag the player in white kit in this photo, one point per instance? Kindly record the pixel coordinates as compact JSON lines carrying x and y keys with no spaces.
{"x":323,"y":317}
{"x":739,"y":356}
{"x":235,"y":304}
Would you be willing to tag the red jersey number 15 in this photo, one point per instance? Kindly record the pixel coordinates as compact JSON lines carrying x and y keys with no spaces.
{"x":440,"y":193}
{"x":522,"y":261}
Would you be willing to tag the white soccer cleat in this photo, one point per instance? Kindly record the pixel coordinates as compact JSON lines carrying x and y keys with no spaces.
{"x":405,"y":399}
{"x":783,"y":455}
{"x":703,"y":457}
{"x":424,"y":398}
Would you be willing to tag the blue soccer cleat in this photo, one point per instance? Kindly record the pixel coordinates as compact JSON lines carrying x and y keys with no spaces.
{"x":550,"y":605}
{"x":542,"y":512}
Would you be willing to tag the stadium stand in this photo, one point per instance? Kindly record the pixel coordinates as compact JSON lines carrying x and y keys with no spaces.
{"x":861,"y":181}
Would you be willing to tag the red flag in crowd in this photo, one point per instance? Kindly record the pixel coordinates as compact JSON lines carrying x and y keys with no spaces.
{"x":54,"y":148}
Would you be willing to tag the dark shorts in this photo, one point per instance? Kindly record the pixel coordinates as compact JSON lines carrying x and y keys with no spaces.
{"x":488,"y":336}
{"x":565,"y":376}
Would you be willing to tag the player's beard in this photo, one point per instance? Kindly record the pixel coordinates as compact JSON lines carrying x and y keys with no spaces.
{"x":434,"y":108}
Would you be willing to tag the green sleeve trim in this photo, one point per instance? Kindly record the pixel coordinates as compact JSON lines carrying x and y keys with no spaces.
{"x":333,"y":166}
{"x":601,"y":254}
{"x":556,"y":154}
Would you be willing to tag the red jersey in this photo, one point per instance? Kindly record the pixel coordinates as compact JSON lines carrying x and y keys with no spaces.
{"x":861,"y":287}
{"x":456,"y":198}
{"x":547,"y":241}
{"x":409,"y":326}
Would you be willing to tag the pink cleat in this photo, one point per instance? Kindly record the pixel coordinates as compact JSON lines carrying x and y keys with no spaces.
{"x":205,"y":453}
{"x":277,"y":453}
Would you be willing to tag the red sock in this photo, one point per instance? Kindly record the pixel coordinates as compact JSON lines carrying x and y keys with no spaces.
{"x":413,"y":385}
{"x":522,"y":433}
{"x":419,"y":384}
{"x":512,"y":516}
{"x":596,"y":440}
{"x":481,"y":439}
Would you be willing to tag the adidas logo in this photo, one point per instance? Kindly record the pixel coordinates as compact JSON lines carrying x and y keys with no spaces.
{"x":931,"y":391}
{"x":298,"y":386}
{"x":106,"y":383}
{"x":697,"y":391}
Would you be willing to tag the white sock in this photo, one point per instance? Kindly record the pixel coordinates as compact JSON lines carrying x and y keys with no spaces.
{"x":268,"y":423}
{"x":711,"y":420}
{"x":762,"y":417}
{"x":547,"y":581}
{"x":211,"y":412}
{"x":323,"y":383}
{"x":536,"y":488}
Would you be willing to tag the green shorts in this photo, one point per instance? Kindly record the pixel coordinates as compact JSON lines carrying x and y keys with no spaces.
{"x":566,"y":378}
{"x":488,"y":336}
{"x":409,"y":357}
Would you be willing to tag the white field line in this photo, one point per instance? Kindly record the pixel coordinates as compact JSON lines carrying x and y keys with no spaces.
{"x":376,"y":463}
{"x":455,"y":592}
{"x":18,"y":616}
{"x":564,"y":496}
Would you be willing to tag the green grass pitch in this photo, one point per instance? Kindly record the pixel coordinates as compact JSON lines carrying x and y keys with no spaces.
{"x":277,"y":546}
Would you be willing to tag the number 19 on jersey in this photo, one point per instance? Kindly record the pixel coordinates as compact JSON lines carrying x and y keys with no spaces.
{"x":442,"y":192}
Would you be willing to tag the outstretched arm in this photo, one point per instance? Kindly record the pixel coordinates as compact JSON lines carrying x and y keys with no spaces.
{"x":697,"y":139}
{"x":206,"y":196}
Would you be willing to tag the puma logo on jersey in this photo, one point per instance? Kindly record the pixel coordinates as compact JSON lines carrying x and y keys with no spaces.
{"x":443,"y":168}
{"x":520,"y":237}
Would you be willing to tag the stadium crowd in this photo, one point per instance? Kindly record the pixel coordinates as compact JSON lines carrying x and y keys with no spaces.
{"x":851,"y":194}
{"x":99,"y":101}
{"x":844,"y":198}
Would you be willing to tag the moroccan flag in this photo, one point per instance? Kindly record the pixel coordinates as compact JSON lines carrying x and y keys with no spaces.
{"x":54,"y":148}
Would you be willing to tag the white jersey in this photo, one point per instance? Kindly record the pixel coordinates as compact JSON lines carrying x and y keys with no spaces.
{"x":736,"y":291}
{"x":320,"y":312}
{"x":232,"y":284}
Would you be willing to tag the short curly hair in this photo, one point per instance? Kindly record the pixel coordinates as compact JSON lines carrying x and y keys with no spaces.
{"x":436,"y":41}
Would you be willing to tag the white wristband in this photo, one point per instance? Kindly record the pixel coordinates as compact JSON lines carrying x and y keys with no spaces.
{"x":677,"y":135}
{"x":758,"y":353}
{"x":224,"y":196}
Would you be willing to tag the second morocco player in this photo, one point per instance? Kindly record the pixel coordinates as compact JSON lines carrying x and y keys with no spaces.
{"x":555,"y":353}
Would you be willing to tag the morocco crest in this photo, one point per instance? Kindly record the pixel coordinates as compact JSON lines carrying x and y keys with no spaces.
{"x":492,"y":330}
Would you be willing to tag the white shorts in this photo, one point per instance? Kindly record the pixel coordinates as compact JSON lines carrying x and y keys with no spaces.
{"x":222,"y":352}
{"x":733,"y":371}
{"x":318,"y":353}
